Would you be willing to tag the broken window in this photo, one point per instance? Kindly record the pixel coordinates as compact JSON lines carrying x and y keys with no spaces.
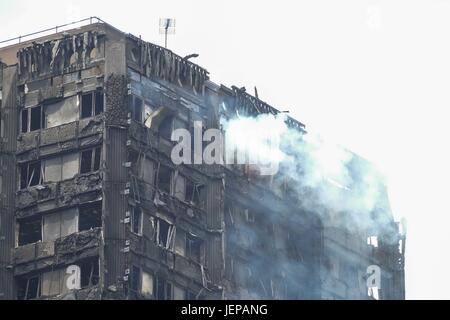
{"x":89,"y":270}
{"x":136,"y":221}
{"x":90,"y":216}
{"x":164,"y":233}
{"x":30,"y":230}
{"x":136,"y":106}
{"x":91,"y":104}
{"x":24,"y":123}
{"x":163,"y":289}
{"x":36,"y":118}
{"x":166,"y":127}
{"x":147,"y":284}
{"x":154,"y":117}
{"x":32,"y":119}
{"x":61,"y":168}
{"x":193,"y":192}
{"x":135,"y":278}
{"x":193,"y":247}
{"x":180,"y":242}
{"x":146,"y":169}
{"x":90,"y":160}
{"x":148,"y":110}
{"x":98,"y":102}
{"x":28,"y":288}
{"x":180,"y":186}
{"x":164,"y":178}
{"x":60,"y":224}
{"x":61,"y":112}
{"x":30,"y":174}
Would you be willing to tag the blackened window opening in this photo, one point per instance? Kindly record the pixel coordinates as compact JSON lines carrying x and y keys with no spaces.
{"x":163,"y":289}
{"x":165,"y":127}
{"x":193,"y":247}
{"x":90,"y":160}
{"x":136,"y":108}
{"x":28,"y":288}
{"x":164,"y":178}
{"x":30,"y":174}
{"x":91,"y":104}
{"x":90,"y":275}
{"x":163,"y":232}
{"x":136,"y":220}
{"x":90,"y":216}
{"x":30,"y":230}
{"x":32,"y":119}
{"x":135,"y":278}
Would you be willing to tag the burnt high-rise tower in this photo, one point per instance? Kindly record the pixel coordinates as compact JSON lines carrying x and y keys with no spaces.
{"x":92,"y":207}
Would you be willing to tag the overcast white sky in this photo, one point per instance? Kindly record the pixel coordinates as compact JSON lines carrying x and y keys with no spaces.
{"x":373,"y":75}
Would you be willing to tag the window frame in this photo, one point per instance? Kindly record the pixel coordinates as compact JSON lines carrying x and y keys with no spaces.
{"x":190,"y":241}
{"x":27,"y":286}
{"x":171,"y":234}
{"x":94,"y":152}
{"x":19,"y":221}
{"x":28,"y":111}
{"x":28,"y":178}
{"x":93,"y":110}
{"x":140,"y":222}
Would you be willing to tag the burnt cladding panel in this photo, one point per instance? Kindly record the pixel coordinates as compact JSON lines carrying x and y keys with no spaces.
{"x":214,"y":201}
{"x":8,"y":179}
{"x":116,"y":205}
{"x":116,"y":155}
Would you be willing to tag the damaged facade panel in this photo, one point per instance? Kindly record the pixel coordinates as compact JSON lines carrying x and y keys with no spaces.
{"x":156,"y":61}
{"x":61,"y":112}
{"x":90,"y":191}
{"x":60,"y":55}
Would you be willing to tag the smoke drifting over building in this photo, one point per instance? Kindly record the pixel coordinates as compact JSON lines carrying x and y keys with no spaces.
{"x":92,"y":207}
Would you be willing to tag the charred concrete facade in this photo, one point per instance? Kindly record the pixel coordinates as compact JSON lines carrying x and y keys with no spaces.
{"x":86,"y":179}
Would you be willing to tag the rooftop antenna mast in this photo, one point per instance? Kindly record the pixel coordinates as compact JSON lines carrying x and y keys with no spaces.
{"x":166,"y":26}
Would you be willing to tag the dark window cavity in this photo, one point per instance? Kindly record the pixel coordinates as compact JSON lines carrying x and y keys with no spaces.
{"x":164,"y":233}
{"x":98,"y":102}
{"x":86,"y":105}
{"x":30,"y":230}
{"x":193,"y":247}
{"x":90,"y":160}
{"x":136,"y":105}
{"x":32,"y":119}
{"x":135,"y":278}
{"x":164,"y":178}
{"x":166,"y":127}
{"x":89,"y":272}
{"x":136,"y":220}
{"x":28,"y":288}
{"x":163,"y":289}
{"x":91,"y":104}
{"x":90,"y":216}
{"x":25,"y":120}
{"x":193,"y":192}
{"x":30,"y":174}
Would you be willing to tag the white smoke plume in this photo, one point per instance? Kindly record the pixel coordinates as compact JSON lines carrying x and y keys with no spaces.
{"x":327,"y":178}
